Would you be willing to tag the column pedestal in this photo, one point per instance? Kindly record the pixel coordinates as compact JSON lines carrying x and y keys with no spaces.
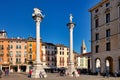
{"x":71,"y":71}
{"x":37,"y":69}
{"x":18,"y":68}
{"x":27,"y":68}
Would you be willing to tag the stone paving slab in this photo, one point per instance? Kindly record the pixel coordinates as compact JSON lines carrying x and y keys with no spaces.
{"x":54,"y":76}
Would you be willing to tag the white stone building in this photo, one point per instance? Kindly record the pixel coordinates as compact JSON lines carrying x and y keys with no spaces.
{"x":105,"y":36}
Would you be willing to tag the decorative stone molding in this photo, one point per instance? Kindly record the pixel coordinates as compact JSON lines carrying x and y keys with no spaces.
{"x":107,"y":10}
{"x":118,"y":3}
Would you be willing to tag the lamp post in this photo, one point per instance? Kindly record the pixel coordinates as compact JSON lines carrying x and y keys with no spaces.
{"x":38,"y":67}
{"x":71,"y":69}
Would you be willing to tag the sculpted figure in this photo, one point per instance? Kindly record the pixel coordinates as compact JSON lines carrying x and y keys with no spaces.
{"x":37,"y":11}
{"x":71,"y":17}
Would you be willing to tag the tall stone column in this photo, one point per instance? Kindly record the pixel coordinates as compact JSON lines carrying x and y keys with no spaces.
{"x":71,"y":69}
{"x":38,"y":67}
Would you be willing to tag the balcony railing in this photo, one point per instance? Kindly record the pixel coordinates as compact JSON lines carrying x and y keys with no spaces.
{"x":18,"y":62}
{"x":1,"y":54}
{"x":1,"y":48}
{"x":18,"y":55}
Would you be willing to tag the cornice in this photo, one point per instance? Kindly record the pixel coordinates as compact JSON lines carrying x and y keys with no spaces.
{"x":97,"y":5}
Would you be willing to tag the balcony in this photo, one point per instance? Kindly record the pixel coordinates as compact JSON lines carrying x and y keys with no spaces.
{"x":8,"y":48}
{"x":8,"y":54}
{"x":108,"y":39}
{"x":30,"y":60}
{"x":10,"y":62}
{"x":1,"y":48}
{"x":25,"y":62}
{"x":1,"y":54}
{"x":18,"y":62}
{"x":18,"y":55}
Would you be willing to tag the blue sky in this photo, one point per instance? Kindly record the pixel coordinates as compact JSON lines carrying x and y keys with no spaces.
{"x":16,"y":19}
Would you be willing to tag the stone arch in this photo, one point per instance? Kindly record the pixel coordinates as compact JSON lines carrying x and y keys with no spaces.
{"x":119,"y":63}
{"x":109,"y":64}
{"x":98,"y":64}
{"x":30,"y":63}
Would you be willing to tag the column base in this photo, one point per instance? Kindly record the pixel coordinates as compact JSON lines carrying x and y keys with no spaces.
{"x":38,"y":71}
{"x":71,"y":71}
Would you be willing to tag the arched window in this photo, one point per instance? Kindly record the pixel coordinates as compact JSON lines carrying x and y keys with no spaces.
{"x":97,"y":63}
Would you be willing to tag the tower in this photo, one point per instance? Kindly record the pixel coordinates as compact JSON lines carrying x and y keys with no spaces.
{"x":83,"y":47}
{"x":3,"y":34}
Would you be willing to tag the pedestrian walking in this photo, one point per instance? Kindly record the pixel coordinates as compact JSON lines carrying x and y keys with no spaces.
{"x":115,"y":74}
{"x":40,"y":74}
{"x":5,"y":72}
{"x":30,"y":73}
{"x":107,"y":74}
{"x":0,"y":73}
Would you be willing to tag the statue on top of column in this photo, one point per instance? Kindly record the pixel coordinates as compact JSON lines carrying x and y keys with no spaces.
{"x":71,"y":17}
{"x":37,"y":12}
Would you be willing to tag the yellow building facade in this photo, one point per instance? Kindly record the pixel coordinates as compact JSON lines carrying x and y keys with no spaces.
{"x":31,"y":50}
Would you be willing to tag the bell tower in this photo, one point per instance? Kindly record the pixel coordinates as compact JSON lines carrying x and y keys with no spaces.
{"x":83,"y":48}
{"x":3,"y":34}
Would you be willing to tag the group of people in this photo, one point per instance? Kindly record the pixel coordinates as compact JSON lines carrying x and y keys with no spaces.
{"x":41,"y":74}
{"x":6,"y":71}
{"x":65,"y":73}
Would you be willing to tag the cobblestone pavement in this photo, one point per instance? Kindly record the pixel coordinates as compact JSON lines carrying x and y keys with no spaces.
{"x":54,"y":76}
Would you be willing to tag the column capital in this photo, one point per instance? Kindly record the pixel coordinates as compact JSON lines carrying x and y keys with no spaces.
{"x":71,"y":25}
{"x":37,"y":18}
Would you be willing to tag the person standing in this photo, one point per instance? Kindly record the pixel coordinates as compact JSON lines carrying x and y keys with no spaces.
{"x":30,"y":73}
{"x":0,"y":73}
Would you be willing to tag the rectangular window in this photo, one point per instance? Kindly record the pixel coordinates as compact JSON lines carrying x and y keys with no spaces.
{"x":11,"y":46}
{"x":96,"y":23}
{"x":108,"y":33}
{"x":16,"y":60}
{"x":97,"y":48}
{"x":11,"y":53}
{"x":107,"y":17}
{"x":107,"y":4}
{"x":17,"y":46}
{"x":96,"y":10}
{"x":119,"y":63}
{"x":119,"y":12}
{"x":60,"y":52}
{"x":108,"y":47}
{"x":60,"y":61}
{"x":97,"y":36}
{"x":17,"y":53}
{"x":1,"y":59}
{"x":30,"y":57}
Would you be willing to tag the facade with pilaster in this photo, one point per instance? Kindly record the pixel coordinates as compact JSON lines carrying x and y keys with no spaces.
{"x":49,"y":59}
{"x":105,"y":36}
{"x":19,"y":55}
{"x":84,"y":58}
{"x":62,"y":56}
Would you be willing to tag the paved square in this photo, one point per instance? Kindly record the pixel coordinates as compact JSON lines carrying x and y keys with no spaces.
{"x":54,"y":76}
